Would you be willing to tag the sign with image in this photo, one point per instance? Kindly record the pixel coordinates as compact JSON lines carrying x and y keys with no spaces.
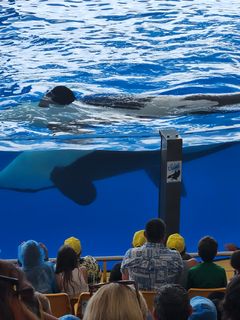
{"x":174,"y":171}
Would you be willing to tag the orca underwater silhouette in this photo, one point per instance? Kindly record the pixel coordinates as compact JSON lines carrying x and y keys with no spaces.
{"x":75,"y":172}
{"x":76,"y":181}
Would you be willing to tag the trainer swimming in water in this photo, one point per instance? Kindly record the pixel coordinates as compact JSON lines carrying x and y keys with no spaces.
{"x":150,"y":106}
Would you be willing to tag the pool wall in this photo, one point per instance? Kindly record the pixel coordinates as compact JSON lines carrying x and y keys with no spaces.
{"x":119,"y":199}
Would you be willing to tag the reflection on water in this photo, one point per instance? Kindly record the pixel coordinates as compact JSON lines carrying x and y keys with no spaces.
{"x":124,"y":47}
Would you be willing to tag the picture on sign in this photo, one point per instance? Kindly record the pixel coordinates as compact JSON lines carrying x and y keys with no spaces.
{"x":174,"y":171}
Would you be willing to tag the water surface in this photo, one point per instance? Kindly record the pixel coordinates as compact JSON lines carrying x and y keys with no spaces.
{"x":115,"y":47}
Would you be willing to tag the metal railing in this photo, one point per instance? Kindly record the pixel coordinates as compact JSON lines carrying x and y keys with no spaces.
{"x":103,"y":260}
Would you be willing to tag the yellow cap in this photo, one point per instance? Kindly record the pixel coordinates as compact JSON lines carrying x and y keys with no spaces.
{"x":74,"y":243}
{"x":138,"y":238}
{"x":176,"y":241}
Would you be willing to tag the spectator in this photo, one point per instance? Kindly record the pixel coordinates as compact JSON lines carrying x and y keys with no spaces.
{"x":207,"y":274}
{"x":75,"y":244}
{"x":38,"y":272}
{"x":115,"y":274}
{"x":71,"y":277}
{"x":152,"y":265}
{"x":235,"y":261}
{"x":172,"y":303}
{"x":18,"y":300}
{"x":176,"y":242}
{"x":202,"y":309}
{"x":116,"y":301}
{"x":231,"y":305}
{"x":90,"y":263}
{"x":138,"y":239}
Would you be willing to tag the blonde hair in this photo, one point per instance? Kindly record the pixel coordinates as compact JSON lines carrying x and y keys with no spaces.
{"x":116,"y":301}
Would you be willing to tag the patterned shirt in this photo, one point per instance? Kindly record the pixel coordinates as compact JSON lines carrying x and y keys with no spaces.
{"x":93,"y":269}
{"x":152,"y":265}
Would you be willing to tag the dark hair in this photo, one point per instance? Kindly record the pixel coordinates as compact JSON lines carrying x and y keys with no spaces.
{"x":61,"y":95}
{"x":13,"y":284}
{"x":235,"y":260}
{"x":115,"y":274}
{"x":67,"y":261}
{"x":172,"y":302}
{"x":207,"y":248}
{"x":231,"y":305}
{"x":155,"y":230}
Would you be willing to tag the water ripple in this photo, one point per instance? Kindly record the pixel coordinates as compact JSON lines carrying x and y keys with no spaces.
{"x":121,"y":47}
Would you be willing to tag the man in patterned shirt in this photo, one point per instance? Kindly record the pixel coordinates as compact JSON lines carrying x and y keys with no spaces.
{"x":152,"y":265}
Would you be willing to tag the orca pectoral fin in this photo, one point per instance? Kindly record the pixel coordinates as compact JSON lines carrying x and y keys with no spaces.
{"x":79,"y":190}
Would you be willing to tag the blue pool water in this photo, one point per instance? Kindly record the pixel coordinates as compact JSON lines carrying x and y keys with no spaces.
{"x":108,"y":47}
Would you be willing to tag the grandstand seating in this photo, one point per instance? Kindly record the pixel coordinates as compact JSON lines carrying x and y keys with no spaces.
{"x":60,"y":304}
{"x":149,"y":297}
{"x":81,"y":304}
{"x":203,"y":292}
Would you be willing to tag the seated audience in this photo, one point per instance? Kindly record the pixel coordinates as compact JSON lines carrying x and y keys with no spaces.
{"x":38,"y":272}
{"x":90,"y":263}
{"x":71,"y":277}
{"x":18,"y":301}
{"x":152,"y":265}
{"x":203,"y":309}
{"x":116,"y":301}
{"x":115,"y":274}
{"x":172,"y":303}
{"x":231,"y":305}
{"x":139,"y":239}
{"x":176,"y":242}
{"x":235,"y":261}
{"x":207,"y":274}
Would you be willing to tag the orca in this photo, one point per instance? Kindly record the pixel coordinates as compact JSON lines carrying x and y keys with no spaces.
{"x":145,"y":106}
{"x":74,"y":172}
{"x":77,"y":180}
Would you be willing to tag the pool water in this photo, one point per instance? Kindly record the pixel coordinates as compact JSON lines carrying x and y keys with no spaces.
{"x":138,"y":48}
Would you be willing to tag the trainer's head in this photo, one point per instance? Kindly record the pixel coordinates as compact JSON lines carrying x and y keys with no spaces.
{"x":155,"y":231}
{"x":59,"y":95}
